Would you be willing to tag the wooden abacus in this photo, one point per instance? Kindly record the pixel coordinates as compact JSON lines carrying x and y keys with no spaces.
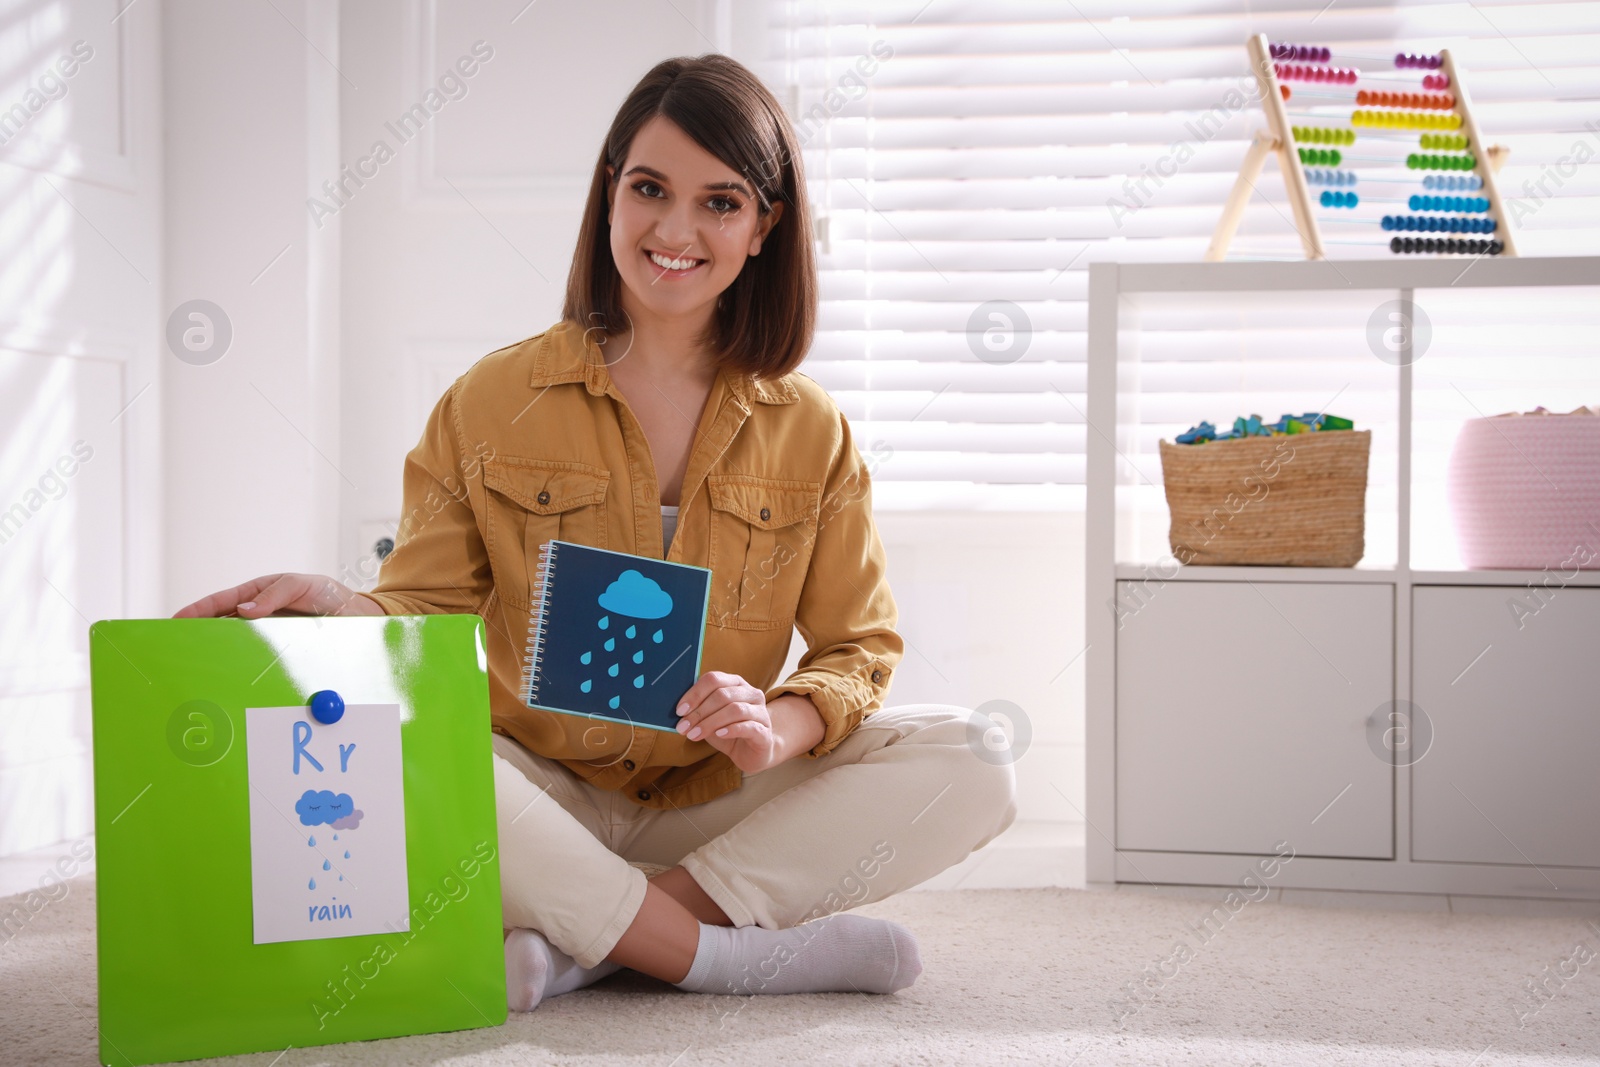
{"x":1423,"y":125}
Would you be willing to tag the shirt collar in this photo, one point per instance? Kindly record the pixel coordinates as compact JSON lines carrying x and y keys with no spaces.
{"x":567,"y":354}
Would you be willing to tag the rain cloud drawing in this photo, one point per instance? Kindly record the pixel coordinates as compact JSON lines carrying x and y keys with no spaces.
{"x":634,"y":594}
{"x":318,"y":806}
{"x":637,"y":597}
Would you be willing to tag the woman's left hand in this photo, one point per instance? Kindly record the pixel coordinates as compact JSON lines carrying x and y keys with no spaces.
{"x":730,"y":715}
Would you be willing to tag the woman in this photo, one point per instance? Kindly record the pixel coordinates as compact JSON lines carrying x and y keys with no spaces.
{"x":661,"y":417}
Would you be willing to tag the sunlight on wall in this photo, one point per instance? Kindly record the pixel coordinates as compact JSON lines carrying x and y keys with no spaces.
{"x":46,"y":564}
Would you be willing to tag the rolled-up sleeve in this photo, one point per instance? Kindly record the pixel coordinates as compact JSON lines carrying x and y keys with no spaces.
{"x":439,"y":563}
{"x":846,"y":613}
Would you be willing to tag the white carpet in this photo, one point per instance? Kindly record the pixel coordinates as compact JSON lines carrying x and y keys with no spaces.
{"x":1012,"y":976}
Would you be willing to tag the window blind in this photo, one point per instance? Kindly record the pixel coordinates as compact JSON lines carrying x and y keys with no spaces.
{"x":968,"y":161}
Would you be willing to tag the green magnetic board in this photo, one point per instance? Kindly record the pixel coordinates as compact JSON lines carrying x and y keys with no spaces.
{"x":180,"y":974}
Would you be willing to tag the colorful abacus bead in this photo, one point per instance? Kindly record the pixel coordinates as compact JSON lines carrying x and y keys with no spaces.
{"x":1447,"y":245}
{"x":1330,"y":75}
{"x":1299,"y":53}
{"x":1448,"y":203}
{"x":1423,"y":161}
{"x":1331,"y":177}
{"x":1452,"y":182}
{"x":1444,"y":142}
{"x":1424,"y":101}
{"x":1437,"y":224}
{"x":1436,"y":81}
{"x":1331,"y":198}
{"x":1406,"y":120}
{"x":1320,"y":157}
{"x":1406,"y":61}
{"x":1323,"y":135}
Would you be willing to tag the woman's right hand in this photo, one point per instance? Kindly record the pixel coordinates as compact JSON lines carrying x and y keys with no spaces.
{"x":294,"y":594}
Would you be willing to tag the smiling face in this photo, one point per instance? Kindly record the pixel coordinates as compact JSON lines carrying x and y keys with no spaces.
{"x":682,"y":224}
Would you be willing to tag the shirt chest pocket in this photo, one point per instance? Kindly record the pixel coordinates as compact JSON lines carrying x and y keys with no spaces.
{"x":531,"y":501}
{"x":762,"y":533}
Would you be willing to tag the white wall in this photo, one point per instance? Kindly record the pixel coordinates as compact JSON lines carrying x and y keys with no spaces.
{"x":991,"y":608}
{"x":461,"y":243}
{"x":252,"y":444}
{"x":175,"y":165}
{"x":183,"y":156}
{"x":80,"y":412}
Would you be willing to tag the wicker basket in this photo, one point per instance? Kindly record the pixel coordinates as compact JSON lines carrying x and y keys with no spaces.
{"x":1294,"y":501}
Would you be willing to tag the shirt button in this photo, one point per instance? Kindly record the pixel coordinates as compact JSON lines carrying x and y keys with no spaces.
{"x":627,"y":764}
{"x":643,"y":794}
{"x":765,"y":514}
{"x":544,"y":497}
{"x":877,"y":676}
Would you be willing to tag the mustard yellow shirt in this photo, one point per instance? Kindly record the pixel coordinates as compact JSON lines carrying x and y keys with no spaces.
{"x":534,"y":442}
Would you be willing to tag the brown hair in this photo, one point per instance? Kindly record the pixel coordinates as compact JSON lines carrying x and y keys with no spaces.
{"x":764,"y":319}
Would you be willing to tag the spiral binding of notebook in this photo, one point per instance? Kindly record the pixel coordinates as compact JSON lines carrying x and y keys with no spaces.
{"x":545,"y":574}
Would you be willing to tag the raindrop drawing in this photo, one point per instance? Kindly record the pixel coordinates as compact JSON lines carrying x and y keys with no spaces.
{"x":636,"y":597}
{"x":317,"y":807}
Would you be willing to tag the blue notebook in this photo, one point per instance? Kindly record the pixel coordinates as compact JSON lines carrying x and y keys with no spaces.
{"x":613,"y":635}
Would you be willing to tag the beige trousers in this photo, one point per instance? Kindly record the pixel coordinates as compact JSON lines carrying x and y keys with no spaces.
{"x":899,"y":800}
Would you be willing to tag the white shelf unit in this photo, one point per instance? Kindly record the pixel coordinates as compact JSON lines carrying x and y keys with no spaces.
{"x":1230,"y":708}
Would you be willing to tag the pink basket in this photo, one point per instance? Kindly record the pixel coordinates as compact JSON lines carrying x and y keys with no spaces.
{"x":1525,"y":491}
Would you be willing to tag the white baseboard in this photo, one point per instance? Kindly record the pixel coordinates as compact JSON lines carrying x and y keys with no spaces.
{"x":46,"y":801}
{"x":1029,"y":855}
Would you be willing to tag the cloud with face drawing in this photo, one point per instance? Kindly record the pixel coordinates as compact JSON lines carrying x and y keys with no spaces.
{"x":318,"y":806}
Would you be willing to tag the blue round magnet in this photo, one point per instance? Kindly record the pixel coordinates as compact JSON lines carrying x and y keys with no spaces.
{"x":327,"y":707}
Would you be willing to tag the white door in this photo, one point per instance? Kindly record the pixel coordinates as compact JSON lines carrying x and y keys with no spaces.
{"x":80,"y":316}
{"x":459,"y":241}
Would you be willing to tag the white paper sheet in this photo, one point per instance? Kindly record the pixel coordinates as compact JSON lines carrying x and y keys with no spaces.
{"x":327,"y":823}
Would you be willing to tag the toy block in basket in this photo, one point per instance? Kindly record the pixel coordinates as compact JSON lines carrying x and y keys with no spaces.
{"x":1291,"y":493}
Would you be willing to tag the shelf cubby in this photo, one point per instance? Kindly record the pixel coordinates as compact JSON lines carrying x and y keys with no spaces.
{"x":1224,"y":702}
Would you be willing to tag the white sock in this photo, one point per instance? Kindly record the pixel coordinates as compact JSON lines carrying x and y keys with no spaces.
{"x":536,"y":971}
{"x":837,"y":954}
